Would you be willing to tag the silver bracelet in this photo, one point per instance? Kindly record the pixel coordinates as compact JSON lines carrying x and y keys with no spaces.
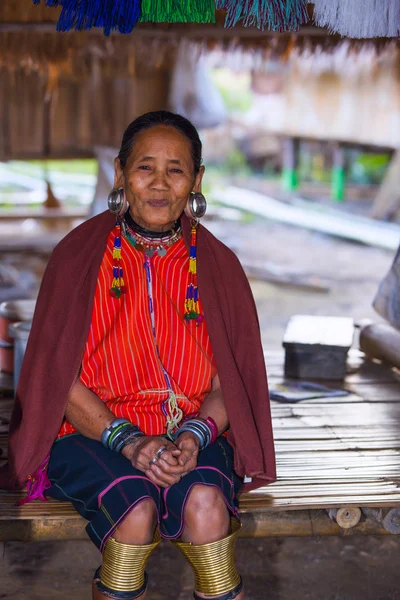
{"x":105,"y":436}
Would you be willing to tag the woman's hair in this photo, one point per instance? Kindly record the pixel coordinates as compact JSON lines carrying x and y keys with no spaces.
{"x":161,"y":117}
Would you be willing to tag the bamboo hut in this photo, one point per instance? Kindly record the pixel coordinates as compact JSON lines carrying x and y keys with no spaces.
{"x":61,"y":94}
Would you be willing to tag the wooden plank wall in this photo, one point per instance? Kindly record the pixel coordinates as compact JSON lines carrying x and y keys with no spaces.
{"x":62,"y":94}
{"x":81,"y":114}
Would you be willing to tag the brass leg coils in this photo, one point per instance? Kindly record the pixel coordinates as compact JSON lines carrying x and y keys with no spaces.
{"x":214,"y":566}
{"x":122,"y":574}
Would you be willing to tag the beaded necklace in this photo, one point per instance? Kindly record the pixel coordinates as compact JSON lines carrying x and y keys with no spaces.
{"x":150,"y":243}
{"x":151,"y":246}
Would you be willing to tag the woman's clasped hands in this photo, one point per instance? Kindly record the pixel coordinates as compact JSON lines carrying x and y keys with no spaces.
{"x":164,"y":462}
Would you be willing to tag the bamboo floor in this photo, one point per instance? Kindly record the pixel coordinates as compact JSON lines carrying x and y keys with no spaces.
{"x":332,"y":453}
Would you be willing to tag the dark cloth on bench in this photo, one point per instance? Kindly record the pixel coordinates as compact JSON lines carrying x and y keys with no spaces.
{"x":104,"y":487}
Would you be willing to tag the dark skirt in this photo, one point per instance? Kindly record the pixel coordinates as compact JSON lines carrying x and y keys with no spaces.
{"x":104,"y":487}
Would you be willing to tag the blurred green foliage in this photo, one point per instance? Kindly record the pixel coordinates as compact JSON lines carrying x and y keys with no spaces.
{"x":236,"y":163}
{"x":362,"y":167}
{"x":84,"y":166}
{"x":234,"y":88}
{"x":369,"y":168}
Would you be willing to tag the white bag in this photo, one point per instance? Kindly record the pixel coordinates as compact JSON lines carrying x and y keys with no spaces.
{"x":105,"y":178}
{"x":192,"y":92}
{"x":387,"y":300}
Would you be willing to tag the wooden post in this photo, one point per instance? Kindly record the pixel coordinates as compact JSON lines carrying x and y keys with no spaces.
{"x":338,"y":173}
{"x":387,"y":201}
{"x":346,"y":516}
{"x":388,"y":517}
{"x":290,"y":180}
{"x":259,"y":524}
{"x":381,"y":341}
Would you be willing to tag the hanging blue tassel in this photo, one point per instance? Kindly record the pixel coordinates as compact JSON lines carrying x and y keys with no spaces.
{"x":49,"y":2}
{"x":275,"y":15}
{"x":120,"y":15}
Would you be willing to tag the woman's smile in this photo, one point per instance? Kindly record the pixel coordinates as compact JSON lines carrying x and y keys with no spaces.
{"x":155,"y":203}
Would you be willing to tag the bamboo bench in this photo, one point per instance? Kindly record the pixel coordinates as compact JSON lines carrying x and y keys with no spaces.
{"x":338,"y":467}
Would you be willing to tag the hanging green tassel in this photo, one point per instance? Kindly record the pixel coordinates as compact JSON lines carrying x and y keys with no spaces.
{"x":172,"y":11}
{"x":275,"y":15}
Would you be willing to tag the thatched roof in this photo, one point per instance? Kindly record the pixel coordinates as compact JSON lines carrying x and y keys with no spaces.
{"x":30,"y":44}
{"x":29,"y":41}
{"x":24,"y":11}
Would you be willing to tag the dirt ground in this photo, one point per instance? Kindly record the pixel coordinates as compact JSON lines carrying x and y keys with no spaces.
{"x":345,"y":568}
{"x":331,"y":568}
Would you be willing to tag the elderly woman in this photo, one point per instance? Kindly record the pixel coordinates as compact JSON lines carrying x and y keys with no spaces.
{"x":143,"y":397}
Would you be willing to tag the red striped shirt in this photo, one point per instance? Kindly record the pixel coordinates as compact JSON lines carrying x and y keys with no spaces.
{"x":120,"y":363}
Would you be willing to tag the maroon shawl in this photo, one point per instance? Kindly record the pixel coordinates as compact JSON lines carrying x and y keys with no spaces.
{"x":61,"y":326}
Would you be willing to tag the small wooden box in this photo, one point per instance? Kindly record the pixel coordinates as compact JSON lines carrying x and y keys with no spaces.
{"x":317,"y":347}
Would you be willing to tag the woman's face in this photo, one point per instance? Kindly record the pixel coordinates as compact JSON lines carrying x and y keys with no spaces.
{"x":158,"y":177}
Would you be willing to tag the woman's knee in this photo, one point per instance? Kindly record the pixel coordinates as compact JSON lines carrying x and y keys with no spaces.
{"x":138,"y":526}
{"x":206,"y":513}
